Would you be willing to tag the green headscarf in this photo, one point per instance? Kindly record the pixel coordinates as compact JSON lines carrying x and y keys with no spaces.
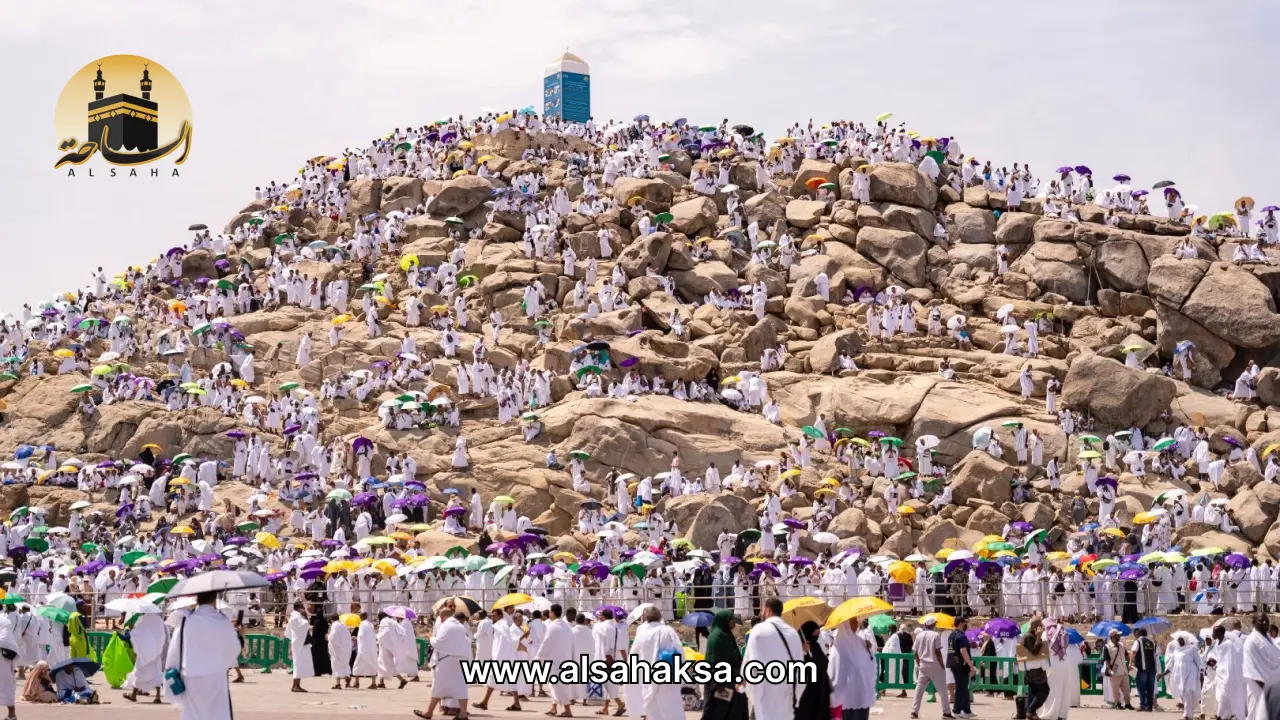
{"x":721,"y":647}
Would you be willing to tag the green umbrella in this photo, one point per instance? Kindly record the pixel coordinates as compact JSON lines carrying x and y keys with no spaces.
{"x":57,"y":615}
{"x":87,"y":323}
{"x":338,"y":494}
{"x":89,"y":547}
{"x":906,"y":475}
{"x":1038,"y":535}
{"x":12,"y":599}
{"x":37,"y":544}
{"x":254,"y":221}
{"x":580,"y":454}
{"x":406,"y":146}
{"x":283,"y":237}
{"x":8,"y":376}
{"x":845,"y":432}
{"x":1010,"y":424}
{"x":132,"y":558}
{"x":937,"y":156}
{"x":635,"y":569}
{"x":181,"y":458}
{"x":589,"y":370}
{"x":542,"y":323}
{"x":457,"y":551}
{"x":40,"y":530}
{"x":896,"y":442}
{"x":880,"y":624}
{"x":82,"y":388}
{"x":20,"y":512}
{"x":999,"y":546}
{"x":1164,"y":444}
{"x":225,"y":284}
{"x":453,"y":220}
{"x":163,"y":585}
{"x":751,"y":535}
{"x":812,"y":432}
{"x":248,"y":526}
{"x":936,"y":569}
{"x":466,"y":280}
{"x":475,"y":562}
{"x":665,"y":217}
{"x":1091,"y":439}
{"x":286,"y":387}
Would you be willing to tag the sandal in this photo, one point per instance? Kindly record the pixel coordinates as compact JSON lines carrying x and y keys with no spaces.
{"x":422,"y":715}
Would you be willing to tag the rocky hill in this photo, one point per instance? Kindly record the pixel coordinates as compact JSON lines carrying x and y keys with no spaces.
{"x":1106,"y":286}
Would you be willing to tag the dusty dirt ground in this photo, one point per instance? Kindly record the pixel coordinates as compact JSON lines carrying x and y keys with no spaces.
{"x":267,"y":697}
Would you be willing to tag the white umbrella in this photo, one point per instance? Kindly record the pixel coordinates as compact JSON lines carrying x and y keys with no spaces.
{"x":218,"y":581}
{"x":928,"y":442}
{"x":959,"y":555}
{"x":638,"y":613}
{"x":956,"y":322}
{"x":1135,"y":456}
{"x":982,"y":437}
{"x":1004,"y":311}
{"x":762,"y":464}
{"x":1009,"y":329}
{"x":133,"y":606}
{"x":625,"y":476}
{"x":731,"y":394}
{"x":538,"y":603}
{"x":397,"y":518}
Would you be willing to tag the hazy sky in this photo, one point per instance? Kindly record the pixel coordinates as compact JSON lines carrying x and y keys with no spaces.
{"x":1179,"y":90}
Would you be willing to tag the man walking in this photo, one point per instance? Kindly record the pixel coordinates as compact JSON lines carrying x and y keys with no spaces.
{"x":930,"y":668}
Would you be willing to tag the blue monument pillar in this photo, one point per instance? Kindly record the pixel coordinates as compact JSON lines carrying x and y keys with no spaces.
{"x":566,"y":89}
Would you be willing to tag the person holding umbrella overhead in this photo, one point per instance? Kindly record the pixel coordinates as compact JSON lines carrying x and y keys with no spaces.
{"x":203,"y":648}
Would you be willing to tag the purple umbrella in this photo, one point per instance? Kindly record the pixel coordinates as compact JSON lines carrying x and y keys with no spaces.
{"x":1135,"y":557}
{"x":987,"y":567}
{"x":1022,"y":526}
{"x":541,"y":569}
{"x":448,"y":137}
{"x":614,"y":609}
{"x":1236,"y":560}
{"x":1140,"y":193}
{"x":529,"y":539}
{"x":455,"y":510}
{"x":793,"y":523}
{"x":600,"y":572}
{"x":400,"y":503}
{"x":307,"y":475}
{"x":106,"y":464}
{"x":800,"y":560}
{"x":1109,"y":481}
{"x":361,"y":443}
{"x":1233,"y":442}
{"x":292,"y":428}
{"x":730,"y":560}
{"x":272,"y":577}
{"x":364,"y":498}
{"x":1132,"y":574}
{"x":974,"y":635}
{"x":315,"y":563}
{"x":210,"y":557}
{"x":1121,"y":178}
{"x":237,"y":541}
{"x":764,"y":568}
{"x":497,"y":547}
{"x":124,"y":509}
{"x":629,"y":362}
{"x":1271,"y":208}
{"x":312,"y":574}
{"x":956,"y":565}
{"x":876,"y":434}
{"x":1084,"y":170}
{"x":629,"y":552}
{"x":91,"y":567}
{"x":1001,"y":628}
{"x":175,"y":251}
{"x":39,"y":573}
{"x":235,"y":434}
{"x":418,"y":500}
{"x":222,"y":264}
{"x":330,"y":544}
{"x":1066,"y":169}
{"x":415,"y":485}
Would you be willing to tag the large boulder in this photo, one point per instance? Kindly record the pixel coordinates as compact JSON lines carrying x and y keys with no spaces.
{"x":810,"y":169}
{"x":1055,"y":268}
{"x":703,"y":278}
{"x":904,"y":184}
{"x":1236,"y":305}
{"x":766,"y":208}
{"x":971,"y":225}
{"x":1122,"y":265}
{"x":980,"y":476}
{"x":460,"y":196}
{"x":366,"y":196}
{"x":1171,"y":280}
{"x":1015,"y":228}
{"x":1116,"y":395}
{"x":400,"y":192}
{"x":824,"y":356}
{"x":1255,"y":509}
{"x":804,"y":213}
{"x":693,"y":216}
{"x":903,"y":254}
{"x":644,"y":252}
{"x":655,"y":192}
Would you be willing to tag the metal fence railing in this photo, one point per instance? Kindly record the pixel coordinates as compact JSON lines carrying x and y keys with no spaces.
{"x":270,"y":607}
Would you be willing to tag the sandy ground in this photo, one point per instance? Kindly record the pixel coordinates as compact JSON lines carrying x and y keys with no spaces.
{"x":267,"y":697}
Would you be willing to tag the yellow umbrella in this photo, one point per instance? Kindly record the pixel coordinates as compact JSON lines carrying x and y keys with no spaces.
{"x":182,"y":530}
{"x":466,"y":144}
{"x":460,"y":173}
{"x":943,"y":620}
{"x":408,"y":261}
{"x":400,"y":535}
{"x":854,"y":608}
{"x":1270,"y":448}
{"x":485,"y":158}
{"x":565,"y":556}
{"x":693,"y":655}
{"x":823,"y":492}
{"x":1058,"y":555}
{"x":351,"y":620}
{"x":1244,"y":204}
{"x":505,"y":500}
{"x":831,"y":482}
{"x":944,"y":553}
{"x":793,"y":472}
{"x":503,"y":117}
{"x":902,"y":572}
{"x":511,"y":600}
{"x":1114,"y":532}
{"x":731,"y":380}
{"x":906,"y":510}
{"x":336,"y":165}
{"x":798,"y":611}
{"x":63,"y":353}
{"x":439,"y":308}
{"x":180,"y":481}
{"x":385,"y":567}
{"x":1143,"y":518}
{"x":237,"y":382}
{"x":267,"y":540}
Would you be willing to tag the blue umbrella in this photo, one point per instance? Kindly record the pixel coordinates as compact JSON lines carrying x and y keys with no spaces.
{"x":23,"y":452}
{"x":640,"y":118}
{"x":698,"y":619}
{"x":1074,"y":637}
{"x":1104,"y":628}
{"x":1154,"y":625}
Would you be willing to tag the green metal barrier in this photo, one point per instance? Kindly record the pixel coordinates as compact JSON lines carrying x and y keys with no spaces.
{"x":995,"y":674}
{"x":98,"y":642}
{"x":1091,"y":683}
{"x":263,"y":651}
{"x":895,"y":671}
{"x":424,"y":651}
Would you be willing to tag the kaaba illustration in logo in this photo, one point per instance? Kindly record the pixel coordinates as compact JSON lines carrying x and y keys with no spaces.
{"x":124,"y":127}
{"x":130,"y":123}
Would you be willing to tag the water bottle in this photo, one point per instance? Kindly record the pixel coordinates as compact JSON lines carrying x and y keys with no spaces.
{"x":356,"y":708}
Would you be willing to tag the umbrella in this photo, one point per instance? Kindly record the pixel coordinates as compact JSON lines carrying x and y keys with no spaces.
{"x":1001,"y":628}
{"x":797,"y":611}
{"x":942,"y":620}
{"x":883,"y":116}
{"x":854,"y":608}
{"x":1154,"y":625}
{"x":1162,"y":184}
{"x":511,"y":600}
{"x":700,"y":618}
{"x":1104,"y":628}
{"x":217,"y":581}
